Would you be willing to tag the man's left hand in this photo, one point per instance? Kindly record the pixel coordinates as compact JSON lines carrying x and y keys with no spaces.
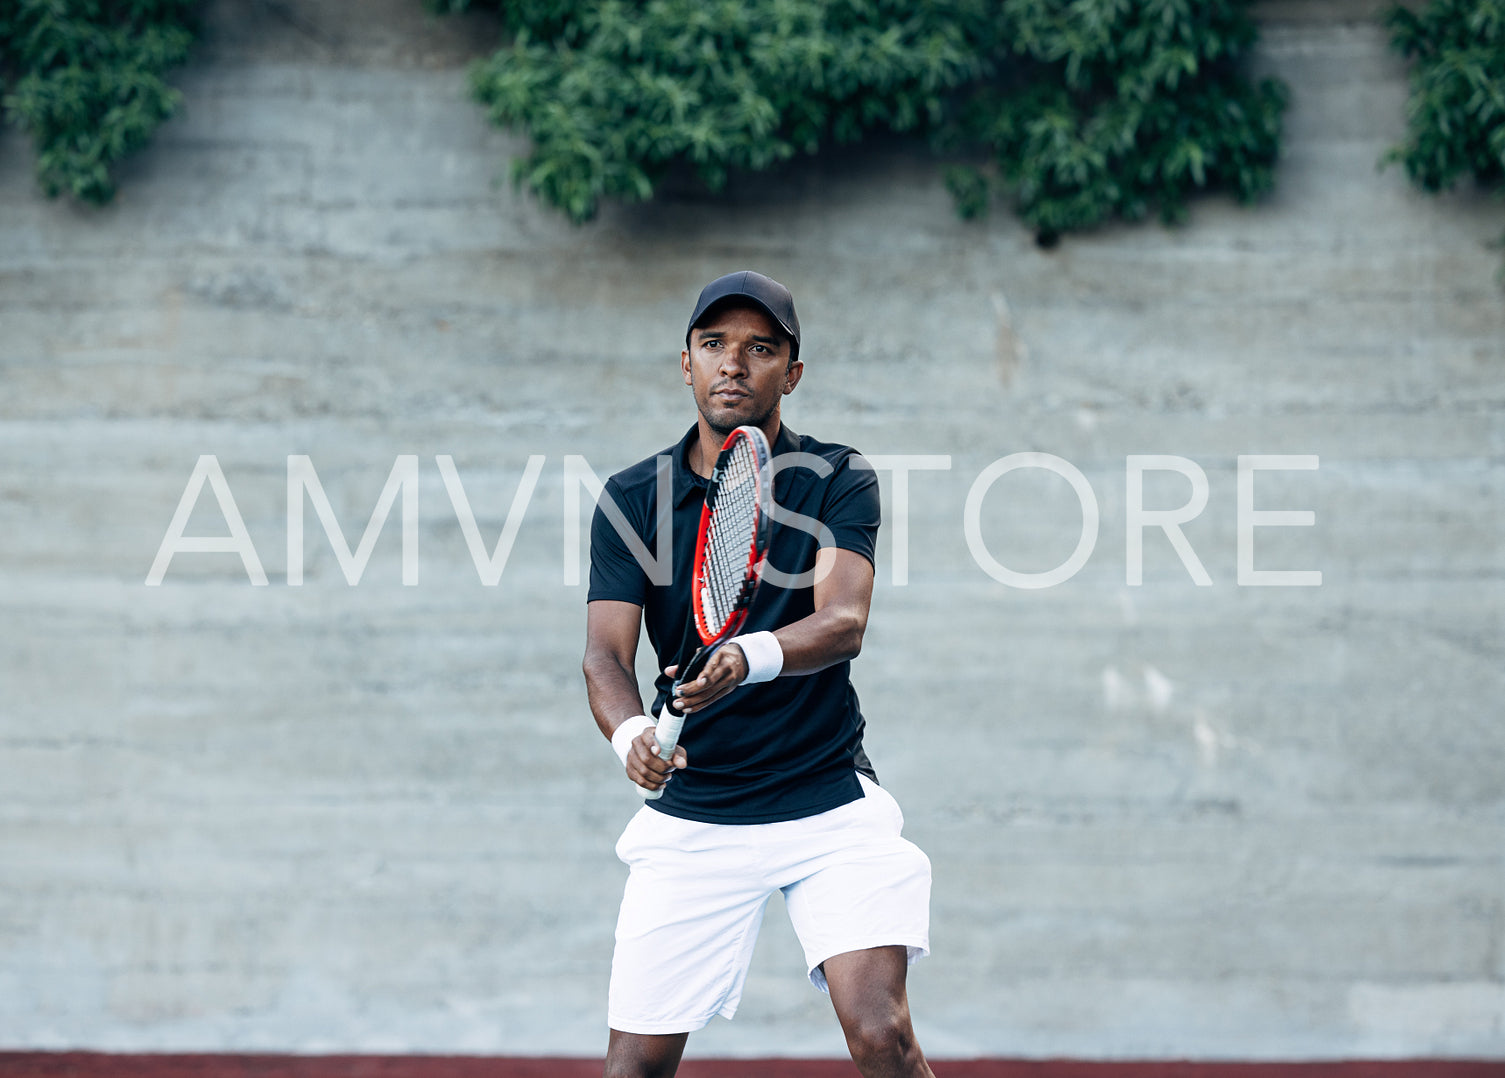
{"x":723,"y":673}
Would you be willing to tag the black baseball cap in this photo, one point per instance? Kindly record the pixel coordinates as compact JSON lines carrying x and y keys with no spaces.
{"x":763,"y":291}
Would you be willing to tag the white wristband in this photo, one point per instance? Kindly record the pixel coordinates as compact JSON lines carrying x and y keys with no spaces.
{"x":626,"y":733}
{"x":765,"y":658}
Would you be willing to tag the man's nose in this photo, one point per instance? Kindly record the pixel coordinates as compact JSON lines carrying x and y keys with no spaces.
{"x":733,"y":362}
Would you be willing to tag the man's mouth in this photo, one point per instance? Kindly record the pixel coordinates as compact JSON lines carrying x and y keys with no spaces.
{"x":731,"y":395}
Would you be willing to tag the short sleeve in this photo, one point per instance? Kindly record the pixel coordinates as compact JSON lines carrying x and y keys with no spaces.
{"x":851,"y":507}
{"x":615,"y":573}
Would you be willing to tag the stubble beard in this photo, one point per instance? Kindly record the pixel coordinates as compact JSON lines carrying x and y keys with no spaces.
{"x":723,"y":422}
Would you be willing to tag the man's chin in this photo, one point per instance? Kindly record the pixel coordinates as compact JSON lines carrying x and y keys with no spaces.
{"x":724,"y":420}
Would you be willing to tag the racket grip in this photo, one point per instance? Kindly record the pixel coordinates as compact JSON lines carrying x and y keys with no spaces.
{"x":694,"y":667}
{"x":666,"y":733}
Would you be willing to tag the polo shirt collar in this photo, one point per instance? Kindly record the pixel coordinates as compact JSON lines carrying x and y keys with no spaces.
{"x":687,"y":484}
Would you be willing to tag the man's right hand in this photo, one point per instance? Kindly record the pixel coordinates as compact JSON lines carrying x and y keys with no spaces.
{"x":644,"y":766}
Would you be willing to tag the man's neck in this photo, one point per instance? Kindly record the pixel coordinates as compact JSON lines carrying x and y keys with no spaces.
{"x":705,"y":449}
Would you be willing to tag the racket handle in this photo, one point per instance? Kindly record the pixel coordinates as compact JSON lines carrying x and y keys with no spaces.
{"x":694,"y":667}
{"x":671,"y":721}
{"x":666,"y":733}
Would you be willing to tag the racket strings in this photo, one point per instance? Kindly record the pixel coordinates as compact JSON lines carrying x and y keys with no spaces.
{"x":729,"y":538}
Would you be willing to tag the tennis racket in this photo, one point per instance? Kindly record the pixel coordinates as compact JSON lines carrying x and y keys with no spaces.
{"x":729,"y":553}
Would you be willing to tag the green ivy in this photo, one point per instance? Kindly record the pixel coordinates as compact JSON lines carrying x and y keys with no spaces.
{"x":1113,"y":108}
{"x":1086,"y":109}
{"x":616,"y":94}
{"x":87,"y":81}
{"x":1456,"y":113}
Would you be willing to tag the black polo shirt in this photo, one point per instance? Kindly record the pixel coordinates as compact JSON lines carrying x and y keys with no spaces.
{"x":786,"y":748}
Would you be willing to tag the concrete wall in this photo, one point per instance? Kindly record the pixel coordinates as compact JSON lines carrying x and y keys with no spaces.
{"x":1240,"y":822}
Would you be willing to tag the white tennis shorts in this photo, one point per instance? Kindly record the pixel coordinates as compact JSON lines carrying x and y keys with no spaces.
{"x":695,"y":898}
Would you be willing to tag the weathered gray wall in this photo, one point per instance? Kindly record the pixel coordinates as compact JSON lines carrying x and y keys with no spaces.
{"x":1165,"y":820}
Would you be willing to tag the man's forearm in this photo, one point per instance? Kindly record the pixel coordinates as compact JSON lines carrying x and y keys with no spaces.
{"x":613,"y":692}
{"x":824,"y":638}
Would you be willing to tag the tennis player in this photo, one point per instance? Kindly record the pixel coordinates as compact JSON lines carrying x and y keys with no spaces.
{"x":769,"y":788}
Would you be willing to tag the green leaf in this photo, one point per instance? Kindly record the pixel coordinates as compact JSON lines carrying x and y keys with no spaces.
{"x":90,"y":82}
{"x":1089,"y":109}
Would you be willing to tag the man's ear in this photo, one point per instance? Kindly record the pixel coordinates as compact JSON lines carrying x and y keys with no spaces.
{"x":684,"y":366}
{"x":792,"y":376}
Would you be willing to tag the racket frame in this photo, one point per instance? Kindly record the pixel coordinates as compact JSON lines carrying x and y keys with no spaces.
{"x":671,"y":720}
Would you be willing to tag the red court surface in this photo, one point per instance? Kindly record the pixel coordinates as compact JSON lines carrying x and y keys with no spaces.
{"x":111,"y":1065}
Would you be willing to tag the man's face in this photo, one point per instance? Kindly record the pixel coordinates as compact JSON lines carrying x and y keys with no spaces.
{"x":738,"y":365}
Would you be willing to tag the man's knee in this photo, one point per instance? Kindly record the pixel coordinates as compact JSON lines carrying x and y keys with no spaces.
{"x":631,"y":1055}
{"x":639,"y":1068}
{"x":882,"y":1042}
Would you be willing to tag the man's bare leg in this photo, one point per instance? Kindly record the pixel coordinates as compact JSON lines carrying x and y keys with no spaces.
{"x":644,"y":1055}
{"x":867,"y":989}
